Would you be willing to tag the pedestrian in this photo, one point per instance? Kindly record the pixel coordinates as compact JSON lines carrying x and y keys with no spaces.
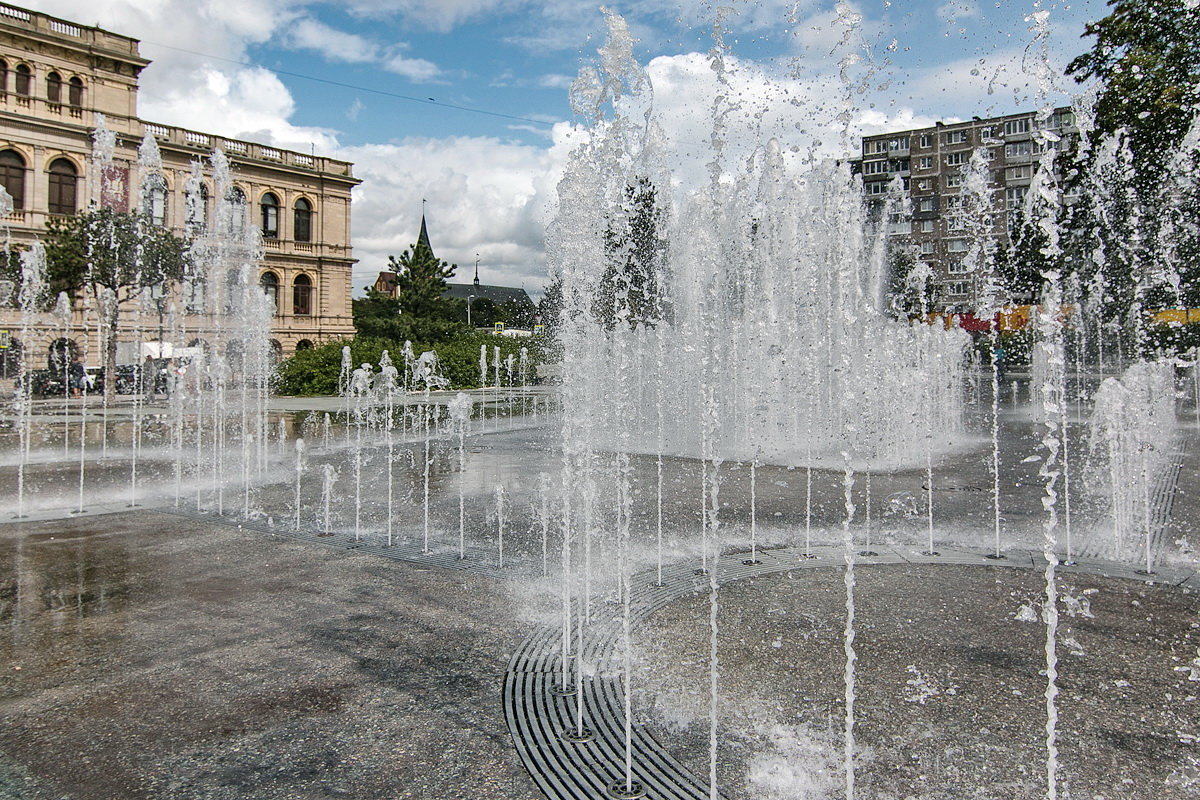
{"x":76,"y":377}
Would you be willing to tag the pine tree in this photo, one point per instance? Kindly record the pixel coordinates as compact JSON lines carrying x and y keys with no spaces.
{"x":421,"y":280}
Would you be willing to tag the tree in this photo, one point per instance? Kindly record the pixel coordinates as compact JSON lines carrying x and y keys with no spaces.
{"x":420,"y":281}
{"x":1147,"y":59}
{"x":631,"y":288}
{"x":114,"y":256}
{"x":378,"y":316}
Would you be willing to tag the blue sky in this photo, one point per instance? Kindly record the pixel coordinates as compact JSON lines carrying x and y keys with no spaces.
{"x":485,"y":126}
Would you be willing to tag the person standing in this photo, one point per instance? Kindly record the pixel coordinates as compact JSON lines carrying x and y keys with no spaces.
{"x":76,"y":377}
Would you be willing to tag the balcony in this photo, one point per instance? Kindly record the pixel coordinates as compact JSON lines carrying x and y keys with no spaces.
{"x":247,"y":150}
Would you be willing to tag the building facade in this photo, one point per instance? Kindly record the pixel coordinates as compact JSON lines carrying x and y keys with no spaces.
{"x":56,"y":77}
{"x":930,"y":163}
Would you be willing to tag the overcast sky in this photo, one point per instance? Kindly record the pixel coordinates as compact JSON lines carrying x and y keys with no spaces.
{"x":464,"y":103}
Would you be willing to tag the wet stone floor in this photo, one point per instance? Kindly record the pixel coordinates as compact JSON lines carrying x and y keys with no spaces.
{"x":950,"y":703}
{"x":157,"y":657}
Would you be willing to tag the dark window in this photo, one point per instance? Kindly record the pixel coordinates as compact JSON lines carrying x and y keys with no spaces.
{"x":302,"y":295}
{"x":197,"y":206}
{"x":3,"y":76}
{"x":303,"y":221}
{"x":270,"y":216}
{"x":303,"y":344}
{"x":54,"y":87}
{"x":63,"y":182}
{"x":237,"y":200}
{"x":156,"y":200}
{"x":12,"y":176}
{"x":270,"y":286}
{"x":75,"y":92}
{"x":24,"y":80}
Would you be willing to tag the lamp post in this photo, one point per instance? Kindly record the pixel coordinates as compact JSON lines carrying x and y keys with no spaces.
{"x":470,"y":297}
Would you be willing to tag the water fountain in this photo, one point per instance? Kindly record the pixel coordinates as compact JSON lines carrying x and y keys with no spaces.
{"x":738,"y":408}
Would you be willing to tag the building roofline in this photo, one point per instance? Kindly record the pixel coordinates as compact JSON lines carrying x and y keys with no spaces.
{"x":941,"y":125}
{"x":61,"y":32}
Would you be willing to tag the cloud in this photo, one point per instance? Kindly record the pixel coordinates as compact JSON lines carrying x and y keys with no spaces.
{"x":417,"y":70}
{"x":334,"y":45}
{"x":246,"y":103}
{"x":484,"y":195}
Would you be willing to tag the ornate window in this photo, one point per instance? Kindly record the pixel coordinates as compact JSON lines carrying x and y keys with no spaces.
{"x":302,"y":292}
{"x":54,"y":87}
{"x":156,"y":200}
{"x":24,"y":81}
{"x":197,"y":206}
{"x":64,"y":180}
{"x":237,"y":202}
{"x":12,"y":176}
{"x":302,"y":222}
{"x":269,"y":206}
{"x":75,"y":92}
{"x":270,"y":286}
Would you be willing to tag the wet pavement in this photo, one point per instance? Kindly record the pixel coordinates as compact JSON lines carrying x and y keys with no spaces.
{"x":949,"y":692}
{"x":157,"y":657}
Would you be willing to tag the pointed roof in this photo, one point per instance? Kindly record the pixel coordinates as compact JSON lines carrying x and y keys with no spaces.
{"x":423,"y":238}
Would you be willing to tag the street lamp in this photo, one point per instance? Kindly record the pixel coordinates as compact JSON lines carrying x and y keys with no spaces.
{"x":470,"y":297}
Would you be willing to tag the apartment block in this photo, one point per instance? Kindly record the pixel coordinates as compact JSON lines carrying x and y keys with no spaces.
{"x":930,"y":163}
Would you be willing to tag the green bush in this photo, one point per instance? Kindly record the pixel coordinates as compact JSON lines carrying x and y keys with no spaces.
{"x":315,"y":372}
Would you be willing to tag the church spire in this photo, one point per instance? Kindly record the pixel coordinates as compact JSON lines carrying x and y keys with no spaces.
{"x":423,"y":238}
{"x":477,"y":270}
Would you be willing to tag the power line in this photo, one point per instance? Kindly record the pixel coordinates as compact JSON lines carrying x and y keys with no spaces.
{"x":428,"y":101}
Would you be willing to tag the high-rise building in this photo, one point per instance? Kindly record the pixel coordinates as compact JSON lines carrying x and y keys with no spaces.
{"x":931,"y":163}
{"x":55,"y":78}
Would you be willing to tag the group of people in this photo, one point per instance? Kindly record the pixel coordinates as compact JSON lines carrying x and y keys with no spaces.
{"x":151,"y":378}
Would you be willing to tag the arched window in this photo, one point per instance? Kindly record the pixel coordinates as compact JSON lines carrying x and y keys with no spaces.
{"x":12,"y":176}
{"x":302,"y":295}
{"x":303,"y":344}
{"x":302,"y":224}
{"x":156,"y":200}
{"x":3,"y":76}
{"x":237,"y":201}
{"x":63,"y":182}
{"x":270,"y":216}
{"x":24,"y":80}
{"x":54,"y":87}
{"x":270,"y":286}
{"x":75,"y":92}
{"x":197,"y":206}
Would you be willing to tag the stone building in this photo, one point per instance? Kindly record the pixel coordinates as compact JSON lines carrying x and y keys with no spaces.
{"x":57,"y":76}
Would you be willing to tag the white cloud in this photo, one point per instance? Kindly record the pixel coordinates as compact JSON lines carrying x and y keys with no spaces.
{"x":246,"y":103}
{"x":415,"y":69}
{"x":483,"y":195}
{"x":334,"y":45}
